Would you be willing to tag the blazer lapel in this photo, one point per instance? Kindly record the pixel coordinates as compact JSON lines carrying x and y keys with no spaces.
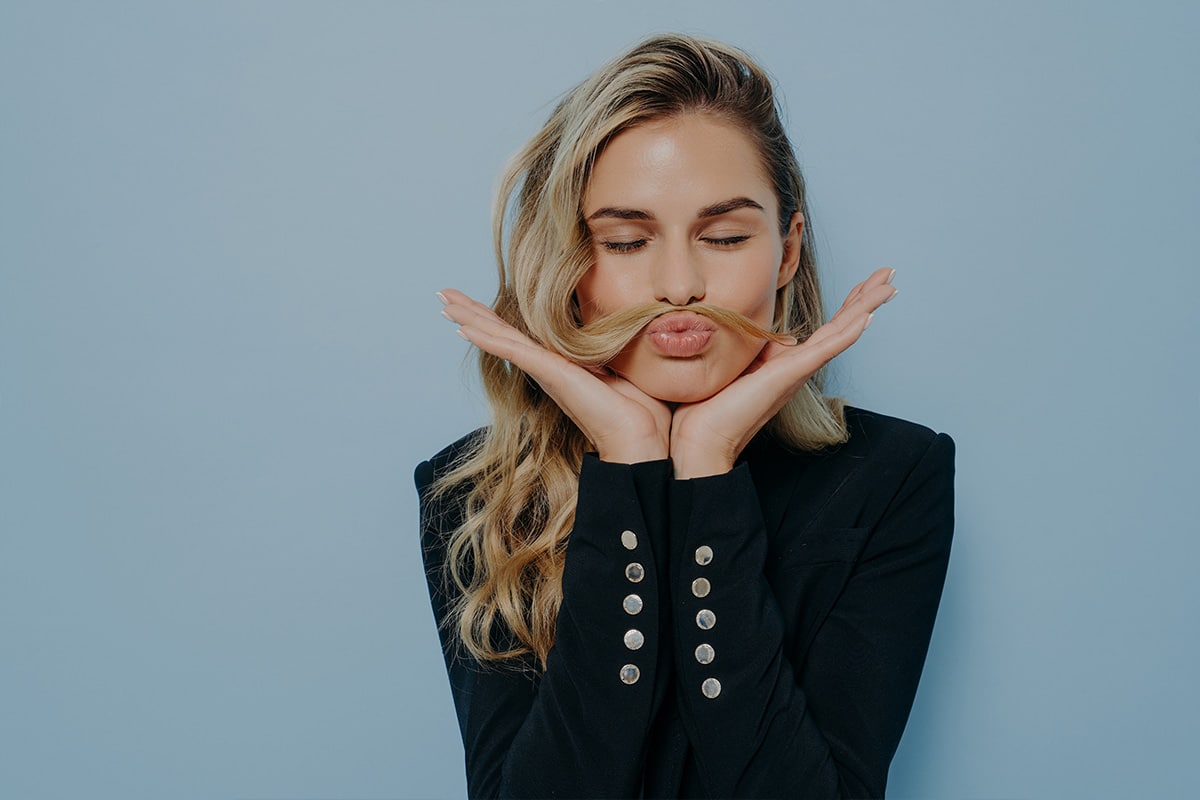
{"x":776,"y":473}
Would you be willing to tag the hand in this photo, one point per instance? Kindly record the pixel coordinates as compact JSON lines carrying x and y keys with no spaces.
{"x":708,"y":436}
{"x":625,"y":424}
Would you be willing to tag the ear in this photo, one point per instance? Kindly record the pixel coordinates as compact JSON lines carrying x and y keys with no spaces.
{"x":791,"y":250}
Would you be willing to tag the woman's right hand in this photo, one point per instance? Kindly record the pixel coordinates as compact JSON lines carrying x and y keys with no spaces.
{"x":624,"y":423}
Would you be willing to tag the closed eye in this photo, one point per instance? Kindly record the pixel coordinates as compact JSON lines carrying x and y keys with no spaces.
{"x":727,"y":241}
{"x":624,"y":247}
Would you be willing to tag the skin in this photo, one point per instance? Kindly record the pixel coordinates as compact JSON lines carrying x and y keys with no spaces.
{"x":658,"y":205}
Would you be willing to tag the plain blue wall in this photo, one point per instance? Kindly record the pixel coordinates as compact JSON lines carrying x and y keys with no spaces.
{"x":221,"y":227}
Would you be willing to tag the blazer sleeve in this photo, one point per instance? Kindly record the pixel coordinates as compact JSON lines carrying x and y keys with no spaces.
{"x":760,"y":725}
{"x":579,"y":729}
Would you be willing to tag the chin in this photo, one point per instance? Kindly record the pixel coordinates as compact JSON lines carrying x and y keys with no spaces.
{"x":685,"y":380}
{"x":681,"y":380}
{"x":679,"y":394}
{"x":673,"y":388}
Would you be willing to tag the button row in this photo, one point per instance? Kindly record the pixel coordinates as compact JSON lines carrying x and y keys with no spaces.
{"x":633,"y":605}
{"x":634,"y":639}
{"x":705,"y":620}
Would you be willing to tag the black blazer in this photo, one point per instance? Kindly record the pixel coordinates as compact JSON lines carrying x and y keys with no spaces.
{"x":754,"y":634}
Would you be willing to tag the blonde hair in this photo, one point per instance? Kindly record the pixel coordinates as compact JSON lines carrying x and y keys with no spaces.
{"x":521,"y":476}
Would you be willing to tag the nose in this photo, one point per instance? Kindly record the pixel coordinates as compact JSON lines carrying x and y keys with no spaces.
{"x":675,"y":276}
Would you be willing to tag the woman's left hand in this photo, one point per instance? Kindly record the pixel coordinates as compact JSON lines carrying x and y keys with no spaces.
{"x":707,"y":436}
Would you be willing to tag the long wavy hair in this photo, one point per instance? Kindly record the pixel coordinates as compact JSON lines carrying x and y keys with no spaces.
{"x":521,"y":476}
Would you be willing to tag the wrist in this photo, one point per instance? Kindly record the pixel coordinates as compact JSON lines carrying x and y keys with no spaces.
{"x":700,"y":462}
{"x":634,"y":452}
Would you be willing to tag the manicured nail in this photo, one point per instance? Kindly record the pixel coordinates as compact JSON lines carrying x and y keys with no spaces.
{"x":444,"y":314}
{"x":889,"y":280}
{"x":893,"y":297}
{"x":442,"y":297}
{"x":463,"y":335}
{"x":869,"y":318}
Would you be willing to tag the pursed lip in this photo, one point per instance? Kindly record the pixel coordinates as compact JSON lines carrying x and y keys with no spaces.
{"x":680,"y":334}
{"x":680,"y":321}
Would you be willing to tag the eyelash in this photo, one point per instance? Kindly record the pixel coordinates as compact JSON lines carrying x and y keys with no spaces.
{"x":629,"y":247}
{"x":727,"y":241}
{"x":623,"y":247}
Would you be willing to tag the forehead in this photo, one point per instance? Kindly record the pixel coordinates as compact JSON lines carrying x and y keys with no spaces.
{"x":678,"y":165}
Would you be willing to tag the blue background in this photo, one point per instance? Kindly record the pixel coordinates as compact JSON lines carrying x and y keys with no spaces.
{"x":221,"y":228}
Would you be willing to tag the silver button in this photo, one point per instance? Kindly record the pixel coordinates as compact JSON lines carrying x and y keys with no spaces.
{"x":705,"y":619}
{"x":629,"y":539}
{"x":705,"y":654}
{"x":704,"y":555}
{"x":635,"y":572}
{"x":710,"y":688}
{"x":701,"y":587}
{"x":633,"y":604}
{"x":630,"y":674}
{"x":634,"y":639}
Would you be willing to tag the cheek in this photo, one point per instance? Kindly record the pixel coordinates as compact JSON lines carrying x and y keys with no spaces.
{"x":753,"y":293}
{"x":766,"y":310}
{"x":770,"y":290}
{"x":585,"y":297}
{"x":601,"y":292}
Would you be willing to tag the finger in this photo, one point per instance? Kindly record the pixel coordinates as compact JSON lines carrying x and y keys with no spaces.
{"x":855,"y":291}
{"x":489,"y":323}
{"x":843,"y":330}
{"x":480,"y":319}
{"x":572,"y":386}
{"x":500,"y":340}
{"x":854,"y":294}
{"x":512,"y":347}
{"x":880,"y":277}
{"x":873,"y":294}
{"x":854,"y":315}
{"x":838,"y":334}
{"x":455,"y":303}
{"x":481,"y":326}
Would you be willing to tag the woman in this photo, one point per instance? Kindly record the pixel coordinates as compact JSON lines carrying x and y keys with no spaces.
{"x":671,"y":567}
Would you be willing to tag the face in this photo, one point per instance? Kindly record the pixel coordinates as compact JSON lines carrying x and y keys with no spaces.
{"x":681,"y":210}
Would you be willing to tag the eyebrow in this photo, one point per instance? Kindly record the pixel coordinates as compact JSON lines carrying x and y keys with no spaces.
{"x":715,"y":210}
{"x":612,"y":212}
{"x":724,"y":207}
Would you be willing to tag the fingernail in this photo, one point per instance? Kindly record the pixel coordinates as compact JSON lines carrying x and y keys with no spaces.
{"x":869,"y":318}
{"x":894,"y":293}
{"x":444,"y":314}
{"x":889,"y":280}
{"x":442,"y":297}
{"x":463,"y":335}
